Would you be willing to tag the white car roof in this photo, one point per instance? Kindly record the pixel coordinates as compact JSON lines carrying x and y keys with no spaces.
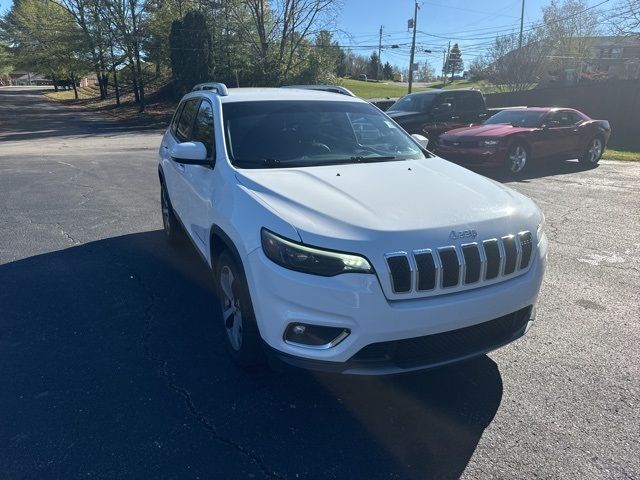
{"x":271,"y":94}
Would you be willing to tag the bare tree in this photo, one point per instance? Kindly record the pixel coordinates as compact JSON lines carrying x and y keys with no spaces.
{"x":513,"y":69}
{"x":567,"y":28}
{"x":626,"y":18}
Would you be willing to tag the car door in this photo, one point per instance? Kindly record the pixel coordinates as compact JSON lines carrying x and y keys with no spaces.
{"x":445,"y":121}
{"x":469,"y":107}
{"x":174,"y":172}
{"x":201,"y":179}
{"x":561,"y":134}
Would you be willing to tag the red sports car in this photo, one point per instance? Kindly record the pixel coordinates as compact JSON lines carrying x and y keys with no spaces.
{"x":517,"y":137}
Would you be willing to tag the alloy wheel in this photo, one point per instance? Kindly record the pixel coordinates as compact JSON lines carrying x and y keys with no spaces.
{"x":595,"y":150}
{"x":517,"y":158}
{"x":231,"y":309}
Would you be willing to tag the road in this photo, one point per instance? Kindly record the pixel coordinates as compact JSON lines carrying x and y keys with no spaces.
{"x":112,"y":360}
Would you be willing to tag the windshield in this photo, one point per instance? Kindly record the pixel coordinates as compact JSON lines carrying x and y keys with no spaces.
{"x":419,"y":102}
{"x":282,"y":134}
{"x":517,"y":118}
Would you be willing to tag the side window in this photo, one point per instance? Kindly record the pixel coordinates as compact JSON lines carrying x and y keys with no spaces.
{"x":176,"y":117}
{"x":574,"y":118}
{"x":566,"y":118}
{"x":203,"y":127}
{"x":183,"y":127}
{"x":449,"y":99}
{"x":470,"y":102}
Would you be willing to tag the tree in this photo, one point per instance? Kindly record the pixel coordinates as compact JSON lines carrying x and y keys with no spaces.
{"x":626,"y":18}
{"x":566,"y":28}
{"x":478,"y":69}
{"x":454,"y":63}
{"x":425,"y":73}
{"x":373,"y":66}
{"x":387,"y":71}
{"x":45,"y":39}
{"x":513,"y":69}
{"x":190,"y":61}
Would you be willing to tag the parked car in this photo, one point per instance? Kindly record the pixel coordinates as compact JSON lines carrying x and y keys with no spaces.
{"x":362,"y":77}
{"x":336,"y":241}
{"x":515,"y":138}
{"x":432,"y":112}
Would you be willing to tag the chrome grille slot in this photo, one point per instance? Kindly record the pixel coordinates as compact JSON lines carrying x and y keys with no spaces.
{"x":427,"y":271}
{"x":492,"y":252}
{"x":526,"y":248}
{"x":450,"y":266}
{"x":453,"y":268}
{"x":472,"y":262}
{"x":511,"y":254}
{"x":400,"y":271}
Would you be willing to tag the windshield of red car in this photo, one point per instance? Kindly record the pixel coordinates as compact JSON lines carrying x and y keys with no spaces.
{"x":517,"y":118}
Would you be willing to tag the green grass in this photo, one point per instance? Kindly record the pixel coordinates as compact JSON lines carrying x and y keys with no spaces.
{"x":376,"y":89}
{"x":84,"y":93}
{"x":626,"y":155}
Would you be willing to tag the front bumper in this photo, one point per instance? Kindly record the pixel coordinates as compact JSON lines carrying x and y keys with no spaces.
{"x":356,"y":302}
{"x":477,"y":156}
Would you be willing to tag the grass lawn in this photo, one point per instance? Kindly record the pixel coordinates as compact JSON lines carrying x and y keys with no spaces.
{"x":626,"y":155}
{"x":376,"y":89}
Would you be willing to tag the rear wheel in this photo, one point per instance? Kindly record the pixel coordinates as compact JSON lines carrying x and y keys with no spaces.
{"x":241,"y":331}
{"x":517,"y":158}
{"x":593,"y":153}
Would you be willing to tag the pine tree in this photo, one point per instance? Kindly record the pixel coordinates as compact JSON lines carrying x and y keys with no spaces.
{"x":454,"y":61}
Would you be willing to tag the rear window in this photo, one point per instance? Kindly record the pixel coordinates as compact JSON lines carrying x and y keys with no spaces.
{"x":420,"y":102}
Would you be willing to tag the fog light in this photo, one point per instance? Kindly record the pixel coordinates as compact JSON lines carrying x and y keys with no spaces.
{"x":314,"y":336}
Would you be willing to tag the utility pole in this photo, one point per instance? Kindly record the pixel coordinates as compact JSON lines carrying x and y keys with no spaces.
{"x":521,"y":25}
{"x":446,"y":66}
{"x":413,"y":45}
{"x":379,"y":53}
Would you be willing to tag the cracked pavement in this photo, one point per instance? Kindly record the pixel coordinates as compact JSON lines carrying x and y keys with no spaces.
{"x":113,"y":362}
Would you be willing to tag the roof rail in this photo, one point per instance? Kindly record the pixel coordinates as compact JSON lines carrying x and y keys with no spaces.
{"x":324,"y":88}
{"x":220,"y":88}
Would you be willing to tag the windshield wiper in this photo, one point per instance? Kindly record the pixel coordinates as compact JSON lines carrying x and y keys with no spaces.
{"x":358,"y":159}
{"x":267,"y":162}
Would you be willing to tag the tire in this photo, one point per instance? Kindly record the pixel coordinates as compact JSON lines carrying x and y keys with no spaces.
{"x":593,"y":152}
{"x":241,"y":334}
{"x":517,"y":158}
{"x":171,"y":224}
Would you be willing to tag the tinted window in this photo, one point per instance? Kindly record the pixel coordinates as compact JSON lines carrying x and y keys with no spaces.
{"x":176,"y":117}
{"x":419,"y":102}
{"x":183,"y":127}
{"x":566,"y":118}
{"x":470,"y":102}
{"x":517,"y":118}
{"x":203,"y":127}
{"x":311,"y":133}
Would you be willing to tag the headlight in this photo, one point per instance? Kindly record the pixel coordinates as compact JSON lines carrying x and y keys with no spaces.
{"x":540,"y":231}
{"x":489,"y":143}
{"x":315,"y":261}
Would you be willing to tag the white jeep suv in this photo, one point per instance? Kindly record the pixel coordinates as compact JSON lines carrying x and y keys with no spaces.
{"x":337,"y":241}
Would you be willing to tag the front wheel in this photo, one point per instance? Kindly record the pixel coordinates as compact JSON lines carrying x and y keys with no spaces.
{"x":517,"y":158}
{"x":593,"y":153}
{"x":169,"y":220}
{"x":241,"y":331}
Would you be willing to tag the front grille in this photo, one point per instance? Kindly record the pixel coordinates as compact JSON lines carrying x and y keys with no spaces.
{"x":453,"y":267}
{"x":442,"y":347}
{"x":459,"y":143}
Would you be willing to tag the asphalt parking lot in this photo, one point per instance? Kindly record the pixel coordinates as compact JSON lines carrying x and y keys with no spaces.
{"x":111,"y":350}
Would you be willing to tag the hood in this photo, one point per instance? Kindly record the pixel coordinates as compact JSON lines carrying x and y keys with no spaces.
{"x":495,"y":130}
{"x":397,"y":205}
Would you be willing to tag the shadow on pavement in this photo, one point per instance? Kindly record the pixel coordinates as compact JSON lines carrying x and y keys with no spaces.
{"x":539,"y":170}
{"x":113,"y":363}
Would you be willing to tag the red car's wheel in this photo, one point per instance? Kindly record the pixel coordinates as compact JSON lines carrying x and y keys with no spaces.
{"x":593,"y":153}
{"x":517,"y":157}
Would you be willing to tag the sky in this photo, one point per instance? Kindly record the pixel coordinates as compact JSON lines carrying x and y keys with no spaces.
{"x":473,"y":25}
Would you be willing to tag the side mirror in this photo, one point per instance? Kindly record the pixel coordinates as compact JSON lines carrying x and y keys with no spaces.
{"x":422,"y":140}
{"x":190,"y":153}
